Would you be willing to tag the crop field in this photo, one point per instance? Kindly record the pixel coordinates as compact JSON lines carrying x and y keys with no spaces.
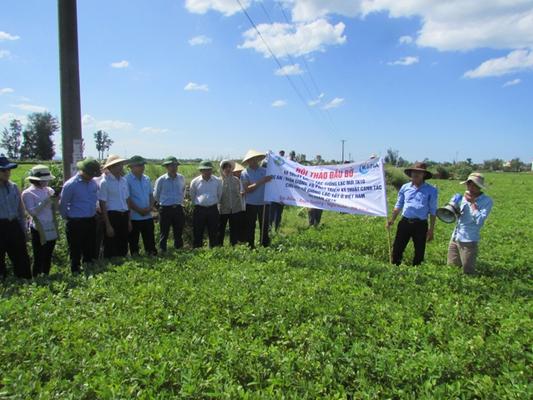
{"x":319,"y":314}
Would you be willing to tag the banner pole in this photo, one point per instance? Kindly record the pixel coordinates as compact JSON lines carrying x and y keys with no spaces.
{"x":389,"y":241}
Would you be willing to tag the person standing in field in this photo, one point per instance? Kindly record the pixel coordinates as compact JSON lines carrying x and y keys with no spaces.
{"x":141,"y":203}
{"x":78,"y":207}
{"x":474,"y":207}
{"x":230,"y":206}
{"x":12,"y":225}
{"x":41,"y":205}
{"x":113,"y":195}
{"x":254,"y":179}
{"x":169,"y":192}
{"x":205,"y":192}
{"x":416,"y":201}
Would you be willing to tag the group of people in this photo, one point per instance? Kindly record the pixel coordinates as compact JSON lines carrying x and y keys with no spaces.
{"x":106,"y":208}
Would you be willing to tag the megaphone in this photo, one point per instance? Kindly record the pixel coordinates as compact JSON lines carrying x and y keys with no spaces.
{"x":451,"y":211}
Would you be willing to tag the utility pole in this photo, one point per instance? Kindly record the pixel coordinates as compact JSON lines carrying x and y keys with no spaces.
{"x":70,"y":86}
{"x":343,"y":140}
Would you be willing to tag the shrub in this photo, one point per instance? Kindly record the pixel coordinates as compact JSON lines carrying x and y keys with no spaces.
{"x":395,"y":177}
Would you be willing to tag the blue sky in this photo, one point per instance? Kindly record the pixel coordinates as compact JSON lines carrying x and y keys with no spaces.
{"x":193,"y":79}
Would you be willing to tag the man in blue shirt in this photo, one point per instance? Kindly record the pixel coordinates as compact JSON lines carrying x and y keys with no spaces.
{"x":141,"y":202}
{"x":253,"y":180}
{"x":78,"y":207}
{"x":169,"y":191}
{"x":12,"y":225}
{"x":474,"y":207}
{"x":416,"y":200}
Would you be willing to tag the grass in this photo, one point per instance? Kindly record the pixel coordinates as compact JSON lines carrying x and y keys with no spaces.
{"x":320,"y":314}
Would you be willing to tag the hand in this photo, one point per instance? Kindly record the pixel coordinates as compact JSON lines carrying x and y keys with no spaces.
{"x":430,"y":235}
{"x":144,"y":211}
{"x":390,"y":222}
{"x":267,"y":179}
{"x":109,"y":231}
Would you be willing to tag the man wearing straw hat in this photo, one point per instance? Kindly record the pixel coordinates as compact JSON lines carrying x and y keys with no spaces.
{"x":12,"y":225}
{"x":206,"y":192}
{"x":474,"y":208}
{"x":254,"y":179}
{"x":416,"y":201}
{"x":41,"y":204}
{"x":169,"y":192}
{"x":141,"y":203}
{"x":113,"y":196}
{"x":230,"y":206}
{"x":78,"y":207}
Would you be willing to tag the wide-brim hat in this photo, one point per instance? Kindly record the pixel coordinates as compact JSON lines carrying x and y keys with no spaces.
{"x":169,"y":161}
{"x":230,"y":162}
{"x":40,"y":173}
{"x":477,"y":179}
{"x":421,"y":167}
{"x":252,"y":154}
{"x":114,"y":160}
{"x":205,"y":165}
{"x":6,"y":164}
{"x":136,"y":160}
{"x":90,"y":166}
{"x":238,"y":167}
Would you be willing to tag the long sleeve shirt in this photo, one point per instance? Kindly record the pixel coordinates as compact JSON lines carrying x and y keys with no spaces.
{"x":78,"y":198}
{"x":417,"y":202}
{"x":205,"y":193}
{"x":10,"y":203}
{"x":169,"y":191}
{"x":470,"y":222}
{"x":231,"y":199}
{"x":39,"y":204}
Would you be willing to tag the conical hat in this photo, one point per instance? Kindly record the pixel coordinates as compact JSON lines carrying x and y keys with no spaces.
{"x":238,"y":167}
{"x":252,"y":154}
{"x":112,"y":160}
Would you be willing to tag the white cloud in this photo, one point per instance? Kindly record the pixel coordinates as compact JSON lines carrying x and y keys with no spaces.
{"x":5,"y":54}
{"x":515,"y":61}
{"x":317,"y":101}
{"x":295,"y":40}
{"x":7,"y":36}
{"x":309,"y":10}
{"x":405,"y":39}
{"x":149,"y":130}
{"x":512,"y":83}
{"x":200,"y":40}
{"x":191,"y":86}
{"x":29,"y":107}
{"x":6,"y":90}
{"x":90,"y":122}
{"x":279,"y":103}
{"x":405,"y":61}
{"x":226,"y":7}
{"x":293,"y":69}
{"x":120,"y":64}
{"x":336,"y":102}
{"x":6,"y":118}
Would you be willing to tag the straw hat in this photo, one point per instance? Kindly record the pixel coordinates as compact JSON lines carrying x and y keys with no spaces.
{"x":252,"y":154}
{"x":238,"y":167}
{"x":90,"y":166}
{"x":477,"y":179}
{"x":113,"y":160}
{"x":419,"y":166}
{"x":40,"y":173}
{"x":230,"y":162}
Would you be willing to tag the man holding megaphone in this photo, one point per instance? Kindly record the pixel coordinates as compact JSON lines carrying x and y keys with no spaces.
{"x":472,"y":210}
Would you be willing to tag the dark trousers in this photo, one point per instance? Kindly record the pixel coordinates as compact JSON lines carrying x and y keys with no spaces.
{"x":42,"y":254}
{"x":205,"y":217}
{"x":276,"y":212}
{"x":13,"y":243}
{"x":253,"y":214}
{"x":171,"y":216}
{"x":144,"y":228}
{"x":410,"y":229}
{"x":234,"y":228}
{"x":81,"y":234}
{"x":117,"y":246}
{"x":315,"y":216}
{"x":99,"y":236}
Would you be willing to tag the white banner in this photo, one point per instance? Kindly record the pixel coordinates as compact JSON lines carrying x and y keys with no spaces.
{"x":356,"y":188}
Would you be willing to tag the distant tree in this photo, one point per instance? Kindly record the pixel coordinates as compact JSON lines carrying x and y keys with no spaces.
{"x":494,"y":164}
{"x":103,"y":143}
{"x":516,"y":165}
{"x":469,"y":161}
{"x":11,"y":139}
{"x":392,"y":157}
{"x":37,"y":137}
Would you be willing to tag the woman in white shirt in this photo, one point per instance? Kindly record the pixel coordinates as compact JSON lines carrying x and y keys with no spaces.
{"x":41,"y":205}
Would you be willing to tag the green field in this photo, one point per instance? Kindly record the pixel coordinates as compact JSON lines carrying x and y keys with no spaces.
{"x":320,"y":314}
